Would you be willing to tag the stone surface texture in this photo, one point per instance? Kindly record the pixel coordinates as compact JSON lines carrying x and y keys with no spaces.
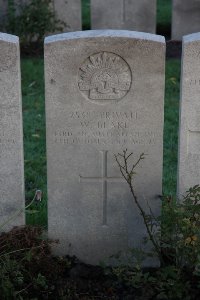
{"x":69,"y":11}
{"x":124,"y":14}
{"x":189,"y":128}
{"x":104,"y":94}
{"x":11,"y":135}
{"x":185,"y":18}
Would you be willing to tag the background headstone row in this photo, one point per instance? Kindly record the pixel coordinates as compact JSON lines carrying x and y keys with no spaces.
{"x":137,"y":15}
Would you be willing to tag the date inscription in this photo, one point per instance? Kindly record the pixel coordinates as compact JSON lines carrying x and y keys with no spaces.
{"x":105,"y":128}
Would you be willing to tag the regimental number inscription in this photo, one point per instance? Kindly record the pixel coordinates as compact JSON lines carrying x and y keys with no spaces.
{"x":104,"y":76}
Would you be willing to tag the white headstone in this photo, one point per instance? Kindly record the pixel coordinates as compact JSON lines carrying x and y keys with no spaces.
{"x":124,"y":14}
{"x":104,"y":93}
{"x":185,"y":18}
{"x":11,"y":135}
{"x":189,"y":135}
{"x":69,"y":11}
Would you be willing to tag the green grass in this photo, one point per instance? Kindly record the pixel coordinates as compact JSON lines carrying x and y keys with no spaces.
{"x":34,"y":135}
{"x":34,"y":132}
{"x":164,"y":11}
{"x":171,"y":126}
{"x":86,"y":14}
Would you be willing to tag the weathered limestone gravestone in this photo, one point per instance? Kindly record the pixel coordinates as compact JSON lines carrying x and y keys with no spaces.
{"x":104,"y":93}
{"x":69,"y":11}
{"x":124,"y":14}
{"x":11,"y":136}
{"x":189,"y":135}
{"x":185,"y":18}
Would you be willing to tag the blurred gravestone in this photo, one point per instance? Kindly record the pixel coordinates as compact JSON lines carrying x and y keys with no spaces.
{"x":104,"y":93}
{"x":11,"y":135}
{"x":189,"y":137}
{"x":69,"y":11}
{"x":3,"y":11}
{"x":124,"y":14}
{"x":185,"y":18}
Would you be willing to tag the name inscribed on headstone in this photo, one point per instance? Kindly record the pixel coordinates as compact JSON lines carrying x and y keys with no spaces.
{"x":100,"y":127}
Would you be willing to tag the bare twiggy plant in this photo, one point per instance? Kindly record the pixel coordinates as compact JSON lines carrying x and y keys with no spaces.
{"x":127,"y":168}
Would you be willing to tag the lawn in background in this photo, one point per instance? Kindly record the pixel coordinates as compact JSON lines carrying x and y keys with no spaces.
{"x":164,"y":15}
{"x":34,"y":136}
{"x":172,"y":85}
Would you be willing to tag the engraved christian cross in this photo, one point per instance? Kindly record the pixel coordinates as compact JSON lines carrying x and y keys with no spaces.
{"x":104,"y":179}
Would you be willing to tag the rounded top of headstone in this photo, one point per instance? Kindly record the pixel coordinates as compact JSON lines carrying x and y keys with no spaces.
{"x":9,"y":46}
{"x":191,"y":37}
{"x":9,"y":38}
{"x":104,"y":33}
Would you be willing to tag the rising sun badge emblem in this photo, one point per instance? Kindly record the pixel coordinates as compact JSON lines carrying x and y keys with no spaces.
{"x":104,"y":76}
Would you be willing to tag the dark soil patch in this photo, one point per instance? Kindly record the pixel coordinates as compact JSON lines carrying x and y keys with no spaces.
{"x":174,"y":49}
